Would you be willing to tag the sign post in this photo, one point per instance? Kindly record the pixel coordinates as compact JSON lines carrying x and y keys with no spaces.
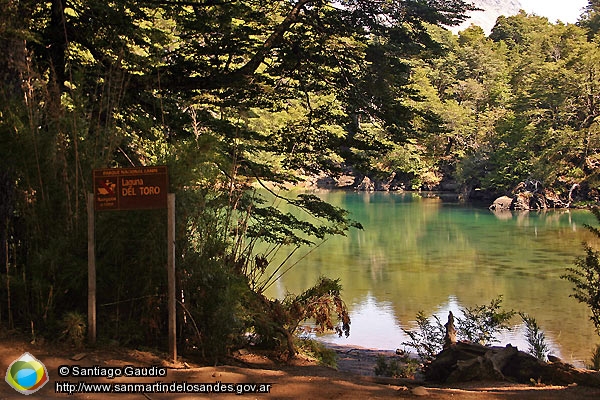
{"x":132,"y":189}
{"x":171,"y":276}
{"x":91,"y":271}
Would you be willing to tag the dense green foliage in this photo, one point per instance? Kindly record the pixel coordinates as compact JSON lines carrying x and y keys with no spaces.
{"x":230,"y":96}
{"x":518,"y":105}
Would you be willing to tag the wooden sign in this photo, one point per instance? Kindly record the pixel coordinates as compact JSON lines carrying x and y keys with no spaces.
{"x":130,"y":188}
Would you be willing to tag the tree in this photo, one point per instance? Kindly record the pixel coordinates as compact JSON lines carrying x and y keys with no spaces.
{"x":590,"y":19}
{"x":530,"y":128}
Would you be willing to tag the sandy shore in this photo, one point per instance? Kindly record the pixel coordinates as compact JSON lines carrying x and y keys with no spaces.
{"x":358,"y":360}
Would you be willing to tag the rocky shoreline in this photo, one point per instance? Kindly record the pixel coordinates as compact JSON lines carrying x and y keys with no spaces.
{"x":526,"y":196}
{"x":531,"y":195}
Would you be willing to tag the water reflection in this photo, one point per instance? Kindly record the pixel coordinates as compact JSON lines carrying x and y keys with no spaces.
{"x":418,"y":253}
{"x":502,"y":214}
{"x":376,"y":326}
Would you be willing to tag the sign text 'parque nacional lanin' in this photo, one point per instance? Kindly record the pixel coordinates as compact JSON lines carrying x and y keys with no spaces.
{"x":130,"y":188}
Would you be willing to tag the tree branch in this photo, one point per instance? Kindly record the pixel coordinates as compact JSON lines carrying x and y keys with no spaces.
{"x":236,"y":78}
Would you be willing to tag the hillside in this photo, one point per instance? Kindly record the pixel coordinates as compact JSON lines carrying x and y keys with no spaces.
{"x":491,"y":10}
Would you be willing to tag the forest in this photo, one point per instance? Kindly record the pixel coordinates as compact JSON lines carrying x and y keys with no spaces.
{"x":243,"y":100}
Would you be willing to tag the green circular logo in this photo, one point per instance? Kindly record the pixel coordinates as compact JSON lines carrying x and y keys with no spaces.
{"x":27,"y":374}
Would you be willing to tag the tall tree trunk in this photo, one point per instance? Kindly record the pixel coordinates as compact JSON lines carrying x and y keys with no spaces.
{"x":57,"y":46}
{"x":8,"y":296}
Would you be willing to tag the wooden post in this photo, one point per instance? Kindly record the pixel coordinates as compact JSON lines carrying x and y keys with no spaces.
{"x":91,"y":271}
{"x":171,"y":275}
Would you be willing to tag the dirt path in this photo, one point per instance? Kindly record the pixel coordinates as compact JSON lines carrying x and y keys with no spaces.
{"x":301,"y":379}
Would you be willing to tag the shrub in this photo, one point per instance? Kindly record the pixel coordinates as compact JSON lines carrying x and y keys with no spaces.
{"x":595,"y":361}
{"x":480,"y":324}
{"x":428,"y":338}
{"x":74,"y":328}
{"x":406,"y":368}
{"x":276,"y":322}
{"x":317,"y":350}
{"x":535,"y":338}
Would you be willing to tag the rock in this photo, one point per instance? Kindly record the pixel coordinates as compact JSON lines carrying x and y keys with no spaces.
{"x":487,"y":14}
{"x":324,"y":182}
{"x":466,"y":361}
{"x":366,"y":185}
{"x":554,"y":359}
{"x":475,"y":369}
{"x":501,"y":204}
{"x":345,"y":180}
{"x":529,"y":195}
{"x":386,"y":185}
{"x":521,"y":202}
{"x":538,"y":202}
{"x":419,"y":391}
{"x":79,"y":356}
{"x":553,"y":200}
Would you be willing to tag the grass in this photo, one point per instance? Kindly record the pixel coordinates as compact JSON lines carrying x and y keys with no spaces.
{"x":318,"y":351}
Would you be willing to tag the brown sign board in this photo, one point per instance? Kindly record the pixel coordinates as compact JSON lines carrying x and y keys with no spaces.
{"x":130,"y":188}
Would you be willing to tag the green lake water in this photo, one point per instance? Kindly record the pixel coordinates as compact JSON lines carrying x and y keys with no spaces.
{"x":418,"y":252}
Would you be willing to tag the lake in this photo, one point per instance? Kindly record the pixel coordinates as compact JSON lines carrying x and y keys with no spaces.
{"x":422,"y":252}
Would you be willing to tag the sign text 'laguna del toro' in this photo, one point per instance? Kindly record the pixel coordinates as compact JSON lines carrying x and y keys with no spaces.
{"x":130,"y":188}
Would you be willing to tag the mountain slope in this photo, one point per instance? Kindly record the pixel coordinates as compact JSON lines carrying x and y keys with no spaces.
{"x":492,"y":9}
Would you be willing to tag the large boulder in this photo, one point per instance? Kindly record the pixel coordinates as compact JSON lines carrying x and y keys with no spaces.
{"x":522,"y":201}
{"x":501,"y":204}
{"x":525,"y":201}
